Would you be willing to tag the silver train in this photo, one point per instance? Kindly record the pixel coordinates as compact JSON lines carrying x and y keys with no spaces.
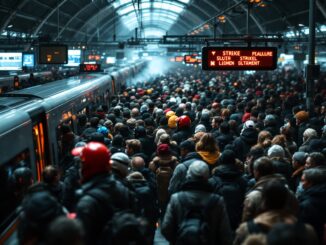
{"x":29,"y":120}
{"x":8,"y":83}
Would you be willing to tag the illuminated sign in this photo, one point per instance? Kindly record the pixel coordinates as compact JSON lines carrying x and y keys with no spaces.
{"x":192,"y":59}
{"x":53,"y":54}
{"x":239,"y":58}
{"x":28,"y":60}
{"x":179,"y":59}
{"x":90,"y":68}
{"x":73,"y":57}
{"x":10,"y":61}
{"x":94,"y":57}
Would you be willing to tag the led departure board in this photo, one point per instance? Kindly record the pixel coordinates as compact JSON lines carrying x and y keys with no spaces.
{"x":179,"y":59}
{"x":90,"y":68}
{"x":239,"y":58}
{"x":192,"y":59}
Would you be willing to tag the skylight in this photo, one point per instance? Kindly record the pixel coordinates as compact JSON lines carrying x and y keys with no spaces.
{"x":152,"y":12}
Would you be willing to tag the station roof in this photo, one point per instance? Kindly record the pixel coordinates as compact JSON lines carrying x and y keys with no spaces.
{"x":91,"y":20}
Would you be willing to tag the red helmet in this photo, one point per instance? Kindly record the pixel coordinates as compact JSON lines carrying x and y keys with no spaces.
{"x":184,"y":122}
{"x":95,"y":159}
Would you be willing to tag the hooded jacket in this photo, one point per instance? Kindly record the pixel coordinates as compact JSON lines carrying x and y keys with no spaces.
{"x":198,"y":192}
{"x":244,"y":142}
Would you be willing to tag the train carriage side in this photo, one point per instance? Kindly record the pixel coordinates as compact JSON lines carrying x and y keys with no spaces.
{"x":65,"y":107}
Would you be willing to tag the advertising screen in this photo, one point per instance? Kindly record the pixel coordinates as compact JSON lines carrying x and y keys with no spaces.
{"x":239,"y":58}
{"x":110,"y":60}
{"x":11,"y":61}
{"x":53,"y":54}
{"x":28,"y":60}
{"x":73,"y":57}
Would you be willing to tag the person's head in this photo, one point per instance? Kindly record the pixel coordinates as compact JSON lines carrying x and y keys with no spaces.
{"x":51,"y":175}
{"x":65,"y":231}
{"x":133,"y":146}
{"x":120,"y":163}
{"x":313,"y":176}
{"x":207,"y":143}
{"x":184,"y":122}
{"x":299,"y":159}
{"x":279,"y":140}
{"x":216,"y":121}
{"x":276,"y":151}
{"x":301,"y":117}
{"x":200,"y":128}
{"x":315,"y":159}
{"x":22,"y":178}
{"x":117,"y":141}
{"x":198,"y":170}
{"x":164,"y":139}
{"x":137,"y":163}
{"x":94,"y":160}
{"x":186,"y":147}
{"x":263,"y":166}
{"x":224,"y":128}
{"x":163,"y":150}
{"x":264,"y":136}
{"x":39,"y":209}
{"x":228,"y":157}
{"x":274,"y":195}
{"x":172,"y":122}
{"x":134,"y":112}
{"x":94,"y":122}
{"x":158,"y":134}
{"x":309,"y":133}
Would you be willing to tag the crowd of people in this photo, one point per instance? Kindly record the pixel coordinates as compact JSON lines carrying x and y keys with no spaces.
{"x":202,"y":157}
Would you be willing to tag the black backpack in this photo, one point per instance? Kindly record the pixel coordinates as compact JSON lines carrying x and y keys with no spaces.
{"x":194,"y":228}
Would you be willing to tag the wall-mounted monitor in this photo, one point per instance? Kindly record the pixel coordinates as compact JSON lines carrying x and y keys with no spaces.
{"x":73,"y":57}
{"x":110,"y":60}
{"x":51,"y":54}
{"x":28,"y":60}
{"x":11,"y":61}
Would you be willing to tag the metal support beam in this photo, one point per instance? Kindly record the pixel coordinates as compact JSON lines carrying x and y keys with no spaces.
{"x":13,"y":13}
{"x":38,"y":28}
{"x":322,"y":7}
{"x":311,"y":68}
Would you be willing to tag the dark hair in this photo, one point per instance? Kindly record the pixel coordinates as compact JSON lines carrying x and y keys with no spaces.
{"x":94,"y":121}
{"x":50,"y":174}
{"x":117,"y":141}
{"x":317,"y":158}
{"x":224,"y":127}
{"x":264,"y":166}
{"x":274,"y":195}
{"x":315,"y":175}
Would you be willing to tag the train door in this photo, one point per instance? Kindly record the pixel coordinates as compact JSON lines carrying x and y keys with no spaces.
{"x":40,"y":143}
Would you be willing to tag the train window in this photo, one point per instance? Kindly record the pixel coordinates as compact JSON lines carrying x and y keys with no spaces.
{"x":12,"y":191}
{"x":39,"y":148}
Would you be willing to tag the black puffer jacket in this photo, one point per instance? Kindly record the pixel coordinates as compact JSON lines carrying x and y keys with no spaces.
{"x":198,"y":193}
{"x":182,"y":135}
{"x":230,"y":183}
{"x":100,"y":198}
{"x":244,"y":142}
{"x":312,"y":210}
{"x":147,"y":199}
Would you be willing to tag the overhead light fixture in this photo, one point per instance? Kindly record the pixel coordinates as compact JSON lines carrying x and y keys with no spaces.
{"x":221,"y":18}
{"x":10,"y":26}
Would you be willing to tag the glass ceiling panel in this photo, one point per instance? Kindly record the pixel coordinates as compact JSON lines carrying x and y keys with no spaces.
{"x":150,"y":11}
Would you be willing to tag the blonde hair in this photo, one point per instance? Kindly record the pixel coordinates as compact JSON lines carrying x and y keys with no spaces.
{"x":207,"y":143}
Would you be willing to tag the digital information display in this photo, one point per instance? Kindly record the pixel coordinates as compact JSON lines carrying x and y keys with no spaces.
{"x":53,"y":54}
{"x":73,"y":57}
{"x":11,"y":61}
{"x":179,"y":59}
{"x":28,"y":60}
{"x":239,"y":58}
{"x":90,"y":68}
{"x":192,"y":59}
